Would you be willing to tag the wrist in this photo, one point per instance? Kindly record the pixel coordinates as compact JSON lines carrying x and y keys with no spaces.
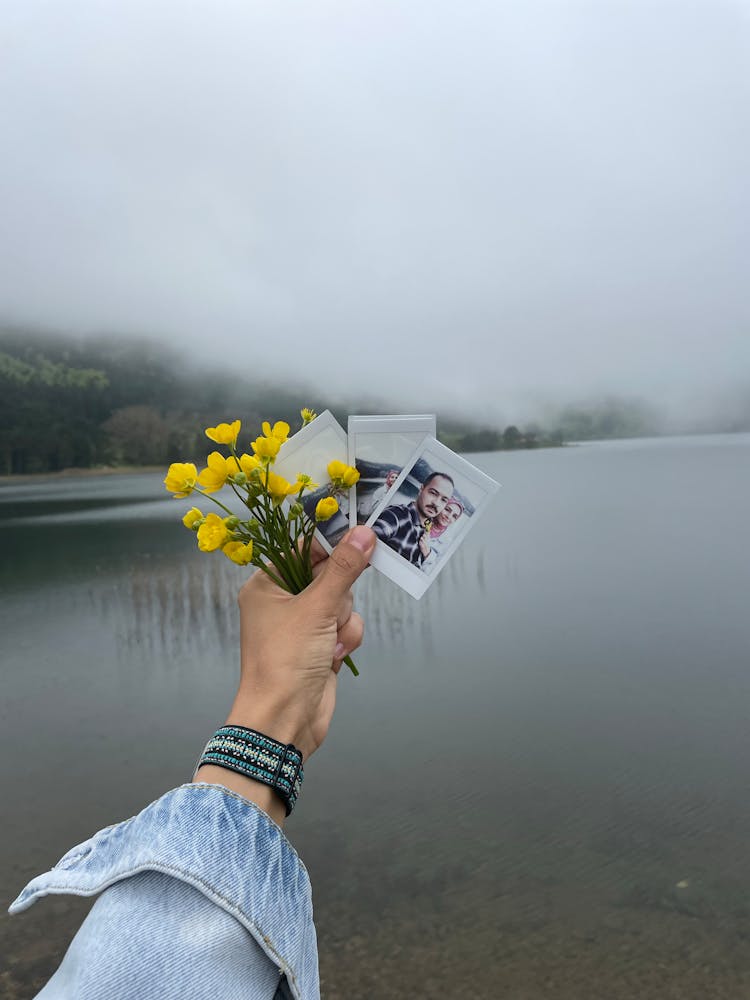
{"x":254,"y":764}
{"x":254,"y":791}
{"x":280,"y":722}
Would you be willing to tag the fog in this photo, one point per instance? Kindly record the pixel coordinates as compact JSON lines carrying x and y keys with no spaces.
{"x":477,"y":205}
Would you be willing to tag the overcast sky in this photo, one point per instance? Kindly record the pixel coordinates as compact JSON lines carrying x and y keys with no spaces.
{"x":505,"y":201}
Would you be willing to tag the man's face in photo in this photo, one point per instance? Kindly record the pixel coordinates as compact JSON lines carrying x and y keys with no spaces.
{"x":433,"y":497}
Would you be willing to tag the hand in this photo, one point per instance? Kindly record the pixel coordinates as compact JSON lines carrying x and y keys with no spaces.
{"x":424,"y":544}
{"x":292,"y":646}
{"x":291,"y":650}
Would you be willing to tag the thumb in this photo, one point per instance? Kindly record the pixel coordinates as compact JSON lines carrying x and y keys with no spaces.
{"x":347,"y":561}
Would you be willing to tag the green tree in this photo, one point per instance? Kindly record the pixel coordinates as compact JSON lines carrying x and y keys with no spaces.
{"x":138,"y":435}
{"x":511,"y":437}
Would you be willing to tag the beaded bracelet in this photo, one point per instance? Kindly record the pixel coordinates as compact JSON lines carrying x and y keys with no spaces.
{"x":257,"y":756}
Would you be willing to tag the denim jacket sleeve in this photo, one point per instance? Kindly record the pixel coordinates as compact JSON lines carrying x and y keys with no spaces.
{"x":203,"y":897}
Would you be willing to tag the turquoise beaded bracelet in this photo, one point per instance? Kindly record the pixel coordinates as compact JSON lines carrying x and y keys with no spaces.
{"x":257,"y":756}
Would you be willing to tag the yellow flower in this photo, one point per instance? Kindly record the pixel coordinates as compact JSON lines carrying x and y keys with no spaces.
{"x":280,"y":430}
{"x":239,"y":552}
{"x":336,"y":469}
{"x":180,"y":479}
{"x":218,"y":471}
{"x":224,"y":433}
{"x":326,"y":508}
{"x":278,"y":488}
{"x":304,"y":482}
{"x":266,"y":448}
{"x":190,"y":520}
{"x":307,"y":415}
{"x":250,"y":462}
{"x":212,"y":534}
{"x":342,"y":475}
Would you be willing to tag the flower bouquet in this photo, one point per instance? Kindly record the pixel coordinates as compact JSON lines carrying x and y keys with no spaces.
{"x":277,"y":535}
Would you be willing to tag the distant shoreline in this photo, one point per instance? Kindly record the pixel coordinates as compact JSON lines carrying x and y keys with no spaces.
{"x":74,"y":473}
{"x":124,"y":470}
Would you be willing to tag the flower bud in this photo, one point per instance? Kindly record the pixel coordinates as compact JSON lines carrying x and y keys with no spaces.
{"x":239,"y":478}
{"x":231,"y":522}
{"x":326,"y":508}
{"x":193,"y":519}
{"x":296,"y":510}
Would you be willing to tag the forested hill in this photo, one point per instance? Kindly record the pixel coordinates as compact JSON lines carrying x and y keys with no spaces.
{"x":69,"y":403}
{"x":66,"y":402}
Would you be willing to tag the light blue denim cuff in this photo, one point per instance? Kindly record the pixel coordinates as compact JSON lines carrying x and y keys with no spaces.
{"x":224,"y":846}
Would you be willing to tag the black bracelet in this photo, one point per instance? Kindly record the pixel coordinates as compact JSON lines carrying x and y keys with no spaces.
{"x":257,"y":756}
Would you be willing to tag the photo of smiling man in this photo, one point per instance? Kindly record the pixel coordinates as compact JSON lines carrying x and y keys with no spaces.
{"x":406,"y":527}
{"x":425,"y":517}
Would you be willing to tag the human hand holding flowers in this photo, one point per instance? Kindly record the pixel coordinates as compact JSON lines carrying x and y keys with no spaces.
{"x":278,"y":535}
{"x":291,"y":650}
{"x":292,"y":646}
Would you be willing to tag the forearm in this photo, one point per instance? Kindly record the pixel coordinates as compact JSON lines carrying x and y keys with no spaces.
{"x":281,"y":724}
{"x":292,"y":648}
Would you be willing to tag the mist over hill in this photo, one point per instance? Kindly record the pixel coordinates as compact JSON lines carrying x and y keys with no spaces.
{"x":82,"y":402}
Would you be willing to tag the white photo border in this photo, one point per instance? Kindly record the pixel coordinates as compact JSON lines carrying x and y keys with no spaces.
{"x":394,"y":423}
{"x":415,"y":581}
{"x":324,"y":421}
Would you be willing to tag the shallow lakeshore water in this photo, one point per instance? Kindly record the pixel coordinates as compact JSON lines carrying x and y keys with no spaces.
{"x":588,"y":651}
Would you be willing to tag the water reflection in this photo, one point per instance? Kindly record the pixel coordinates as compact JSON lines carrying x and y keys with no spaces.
{"x":187,"y":601}
{"x":588,"y":644}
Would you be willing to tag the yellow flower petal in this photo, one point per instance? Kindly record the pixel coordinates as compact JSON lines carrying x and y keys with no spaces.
{"x":277,"y":487}
{"x":224,"y":433}
{"x":266,"y":447}
{"x":250,"y":462}
{"x":343,"y":476}
{"x":192,"y":517}
{"x":280,"y":430}
{"x":218,"y":471}
{"x":181,"y":478}
{"x":212,"y":534}
{"x":326,"y":508}
{"x":336,"y":469}
{"x":304,"y":482}
{"x":350,"y":476}
{"x":239,"y":552}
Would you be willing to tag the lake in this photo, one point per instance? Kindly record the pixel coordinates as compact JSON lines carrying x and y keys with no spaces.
{"x":538,"y":786}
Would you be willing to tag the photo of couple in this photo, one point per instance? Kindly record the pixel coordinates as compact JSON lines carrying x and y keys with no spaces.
{"x":419,"y":497}
{"x":419,"y":530}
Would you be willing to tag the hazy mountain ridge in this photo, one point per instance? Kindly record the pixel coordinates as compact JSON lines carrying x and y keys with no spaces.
{"x":68,"y":401}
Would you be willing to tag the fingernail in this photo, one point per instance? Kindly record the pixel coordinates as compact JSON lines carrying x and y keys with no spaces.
{"x":361,"y":538}
{"x":338,"y":653}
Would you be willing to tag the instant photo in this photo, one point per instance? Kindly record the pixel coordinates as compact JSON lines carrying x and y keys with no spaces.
{"x":379,"y":448}
{"x":426,"y":515}
{"x":310,"y":450}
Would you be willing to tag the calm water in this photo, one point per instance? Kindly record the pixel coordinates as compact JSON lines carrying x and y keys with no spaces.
{"x":538,"y":787}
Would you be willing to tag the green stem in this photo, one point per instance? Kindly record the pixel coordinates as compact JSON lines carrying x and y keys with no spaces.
{"x":350,"y":663}
{"x":279,"y":583}
{"x":208,"y":496}
{"x":281,"y":532}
